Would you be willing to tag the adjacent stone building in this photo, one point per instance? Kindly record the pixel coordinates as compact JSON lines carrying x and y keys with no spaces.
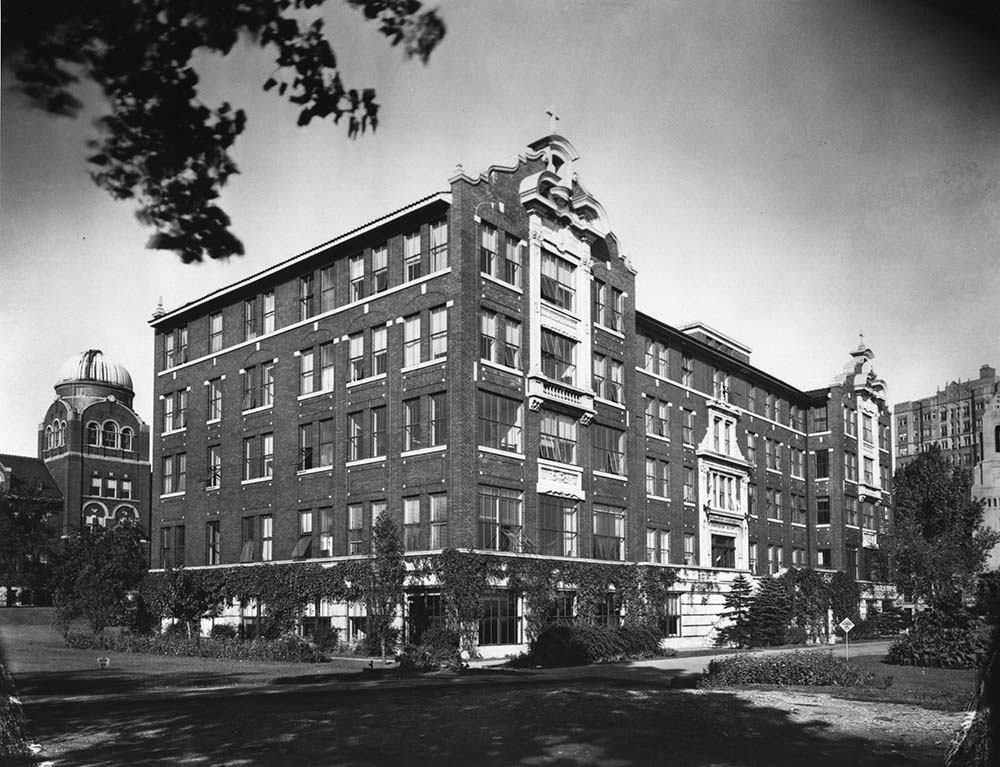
{"x":474,"y":364}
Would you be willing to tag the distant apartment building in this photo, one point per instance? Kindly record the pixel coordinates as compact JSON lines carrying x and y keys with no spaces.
{"x":951,"y":419}
{"x":474,"y":364}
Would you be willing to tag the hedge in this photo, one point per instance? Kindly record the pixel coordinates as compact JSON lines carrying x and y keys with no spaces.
{"x":288,"y":649}
{"x":813,"y":668}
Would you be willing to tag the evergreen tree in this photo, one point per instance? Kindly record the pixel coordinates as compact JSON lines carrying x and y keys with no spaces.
{"x":939,"y":543}
{"x":737,"y":610}
{"x":770,"y":613}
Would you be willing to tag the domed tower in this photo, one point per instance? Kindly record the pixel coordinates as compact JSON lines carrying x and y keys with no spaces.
{"x":94,"y":444}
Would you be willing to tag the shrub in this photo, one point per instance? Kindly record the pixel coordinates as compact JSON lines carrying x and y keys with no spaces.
{"x":224,"y":631}
{"x":326,"y":637}
{"x":770,"y":614}
{"x":438,"y":648}
{"x":943,"y":638}
{"x":580,"y":643}
{"x":288,"y":649}
{"x":812,"y":668}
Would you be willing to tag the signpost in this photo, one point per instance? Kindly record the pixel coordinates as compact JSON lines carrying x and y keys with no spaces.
{"x":847,"y":624}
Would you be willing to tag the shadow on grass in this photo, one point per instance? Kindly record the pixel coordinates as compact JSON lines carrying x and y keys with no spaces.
{"x":584,"y":722}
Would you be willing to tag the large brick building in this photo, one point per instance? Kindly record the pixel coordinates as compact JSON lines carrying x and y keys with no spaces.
{"x":474,"y":363}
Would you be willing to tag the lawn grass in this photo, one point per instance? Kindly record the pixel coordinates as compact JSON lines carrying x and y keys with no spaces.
{"x":936,"y":688}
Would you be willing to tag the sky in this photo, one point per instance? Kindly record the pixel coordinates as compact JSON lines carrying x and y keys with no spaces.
{"x":789,"y":173}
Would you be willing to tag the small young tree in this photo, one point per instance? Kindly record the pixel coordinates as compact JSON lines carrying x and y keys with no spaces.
{"x":939,"y":543}
{"x":385,"y":584}
{"x":737,"y":610}
{"x":770,"y":613}
{"x":187,"y":599}
{"x":94,"y":574}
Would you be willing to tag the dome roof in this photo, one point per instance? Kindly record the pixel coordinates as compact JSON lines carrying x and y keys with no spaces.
{"x":92,"y":366}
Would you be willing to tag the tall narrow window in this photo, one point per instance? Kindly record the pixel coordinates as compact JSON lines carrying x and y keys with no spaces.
{"x":215,"y":332}
{"x":250,"y":327}
{"x":823,"y":511}
{"x":512,"y":343}
{"x":179,"y":554}
{"x":609,"y":449}
{"x":307,"y":297}
{"x":512,"y":262}
{"x":303,"y":546}
{"x":599,"y":374}
{"x":687,"y":426}
{"x":326,"y":532}
{"x":214,"y":467}
{"x":355,"y":436}
{"x":378,"y":431}
{"x":380,"y":343}
{"x":499,"y":519}
{"x":268,"y":316}
{"x":439,"y":520}
{"x":266,"y":384}
{"x":213,"y":543}
{"x":327,"y":288}
{"x":488,"y":335}
{"x":558,"y":357}
{"x":326,"y":442}
{"x":248,"y":539}
{"x":411,"y":524}
{"x":412,"y":426}
{"x":411,"y":340}
{"x":215,"y":399}
{"x":411,"y":256}
{"x":356,"y":353}
{"x":687,"y":370}
{"x":380,"y":268}
{"x":306,"y":447}
{"x":439,"y":246}
{"x":609,"y":533}
{"x":488,"y":249}
{"x":326,"y":366}
{"x":355,"y":529}
{"x":267,"y":455}
{"x":439,"y":332}
{"x":356,"y":274}
{"x":307,"y":377}
{"x":266,"y":538}
{"x":439,"y":419}
{"x":598,"y":299}
{"x":657,"y":545}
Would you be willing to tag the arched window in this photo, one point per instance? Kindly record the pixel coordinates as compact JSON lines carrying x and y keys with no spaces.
{"x":94,"y":515}
{"x":126,"y":513}
{"x":62,"y":434}
{"x":126,"y":439}
{"x":93,"y":434}
{"x":109,"y":437}
{"x":48,"y":438}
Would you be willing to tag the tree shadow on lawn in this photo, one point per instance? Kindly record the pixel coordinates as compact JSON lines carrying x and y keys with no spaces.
{"x":609,"y":722}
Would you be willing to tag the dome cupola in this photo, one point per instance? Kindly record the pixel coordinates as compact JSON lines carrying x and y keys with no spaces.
{"x":92,"y":374}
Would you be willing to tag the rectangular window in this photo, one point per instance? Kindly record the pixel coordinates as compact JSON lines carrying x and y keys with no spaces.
{"x":355,"y":436}
{"x":307,"y":373}
{"x":380,"y":359}
{"x":303,"y":546}
{"x":557,"y":526}
{"x":723,"y":551}
{"x":356,"y":357}
{"x":822,"y":511}
{"x":499,"y":519}
{"x":558,"y":357}
{"x":775,"y":558}
{"x":689,"y":485}
{"x":439,"y":332}
{"x":326,"y":532}
{"x":250,"y":327}
{"x":214,"y":409}
{"x":609,"y":533}
{"x":512,"y":262}
{"x":658,"y":418}
{"x":687,"y":426}
{"x":799,"y":509}
{"x":178,"y":546}
{"x":266,"y":538}
{"x":326,"y":442}
{"x":111,"y":487}
{"x":355,"y":529}
{"x":869,"y":468}
{"x":769,"y":406}
{"x":411,"y":524}
{"x":307,"y":297}
{"x":498,"y":623}
{"x":412,"y":425}
{"x":557,"y":440}
{"x":796,"y":461}
{"x":851,"y":561}
{"x":411,"y":256}
{"x":125,"y":491}
{"x":248,"y":540}
{"x":214,"y":466}
{"x":258,"y":386}
{"x":488,"y":250}
{"x":690,"y":557}
{"x":822,"y":464}
{"x":268,"y":318}
{"x":867,"y":515}
{"x":411,"y":340}
{"x":851,"y":467}
{"x":175,"y":347}
{"x":753,"y":554}
{"x":608,"y":449}
{"x":327,"y":289}
{"x":213,"y":543}
{"x":512,"y":343}
{"x":438,"y":419}
{"x":687,"y":370}
{"x":439,"y":246}
{"x":752,"y":500}
{"x":657,"y":545}
{"x":614,"y":310}
{"x":598,"y":300}
{"x":306,"y":447}
{"x":215,"y":332}
{"x":258,"y":456}
{"x":380,"y":268}
{"x":558,"y":281}
{"x":488,"y":335}
{"x":851,"y":506}
{"x":752,"y":449}
{"x":823,"y":558}
{"x":657,"y":478}
{"x":378,"y":431}
{"x":439,"y":520}
{"x":499,"y":422}
{"x":356,"y":276}
{"x":599,"y":374}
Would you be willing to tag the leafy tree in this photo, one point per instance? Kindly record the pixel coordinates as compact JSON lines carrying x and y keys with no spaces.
{"x":94,"y":574}
{"x":845,"y":594}
{"x":28,"y":538}
{"x":809,"y":593}
{"x":737,"y":610}
{"x":939,"y":543}
{"x":385,"y":586}
{"x":187,"y":598}
{"x":770,"y":613}
{"x":159,"y":144}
